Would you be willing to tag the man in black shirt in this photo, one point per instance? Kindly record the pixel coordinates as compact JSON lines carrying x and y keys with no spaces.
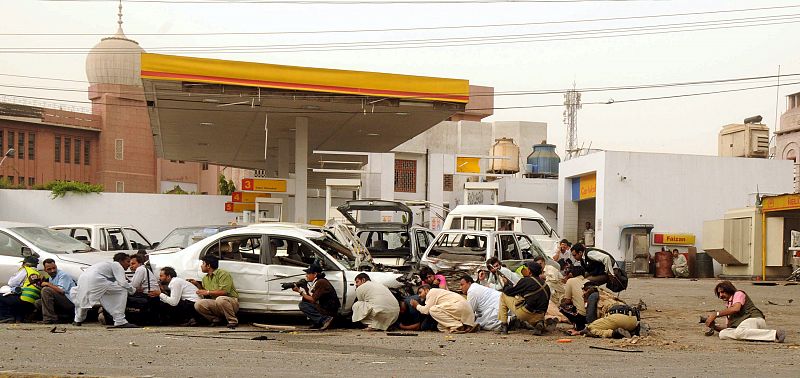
{"x":528,"y":299}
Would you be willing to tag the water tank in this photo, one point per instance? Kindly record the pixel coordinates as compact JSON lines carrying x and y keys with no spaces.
{"x":543,"y":161}
{"x":505,"y":147}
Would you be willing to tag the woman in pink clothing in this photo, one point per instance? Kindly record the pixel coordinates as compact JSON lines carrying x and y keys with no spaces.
{"x":430,"y":278}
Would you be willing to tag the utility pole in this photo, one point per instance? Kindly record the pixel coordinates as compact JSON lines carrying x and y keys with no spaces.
{"x":572,"y":101}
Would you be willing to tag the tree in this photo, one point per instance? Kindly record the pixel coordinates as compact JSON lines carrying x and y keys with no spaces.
{"x":226,"y":187}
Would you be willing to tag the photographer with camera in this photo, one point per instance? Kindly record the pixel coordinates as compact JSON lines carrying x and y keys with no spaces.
{"x":25,"y":288}
{"x":320,"y":302}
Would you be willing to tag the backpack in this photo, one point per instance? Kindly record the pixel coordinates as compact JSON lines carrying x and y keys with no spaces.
{"x":619,"y":281}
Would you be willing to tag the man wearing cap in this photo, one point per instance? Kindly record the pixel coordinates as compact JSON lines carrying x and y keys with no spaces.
{"x":528,"y":299}
{"x":55,"y":300}
{"x":320,"y":303}
{"x":26,"y":288}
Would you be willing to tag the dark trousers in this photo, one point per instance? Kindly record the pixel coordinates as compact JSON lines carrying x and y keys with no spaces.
{"x":181,"y":313}
{"x":577,"y":319}
{"x":12,"y":308}
{"x":311,"y":311}
{"x":52,"y":304}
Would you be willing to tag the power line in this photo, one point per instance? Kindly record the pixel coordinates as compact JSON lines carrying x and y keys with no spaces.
{"x":356,"y":2}
{"x":441,"y":42}
{"x":423,"y":28}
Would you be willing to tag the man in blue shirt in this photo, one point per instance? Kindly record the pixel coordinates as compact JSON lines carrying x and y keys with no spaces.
{"x":55,"y":299}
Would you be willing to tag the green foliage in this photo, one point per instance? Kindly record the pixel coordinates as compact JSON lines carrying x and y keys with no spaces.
{"x":61,"y":188}
{"x":176,"y":190}
{"x":226,"y":187}
{"x":5,"y":184}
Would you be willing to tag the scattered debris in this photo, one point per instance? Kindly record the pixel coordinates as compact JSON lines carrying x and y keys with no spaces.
{"x":133,"y":344}
{"x":641,"y":306}
{"x":378,"y":362}
{"x":765,"y":283}
{"x":778,"y":304}
{"x":401,"y":334}
{"x":616,"y":350}
{"x":275,"y":327}
{"x":58,"y":330}
{"x":564,"y":340}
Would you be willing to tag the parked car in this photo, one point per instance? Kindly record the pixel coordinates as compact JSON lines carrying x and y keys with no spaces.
{"x":183,"y":237}
{"x":18,"y":240}
{"x":458,"y":252}
{"x":107,"y":237}
{"x":259,"y":271}
{"x":395,"y":244}
{"x":503,"y":218}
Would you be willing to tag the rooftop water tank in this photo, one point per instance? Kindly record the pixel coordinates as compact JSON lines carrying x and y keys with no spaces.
{"x":543,"y":161}
{"x":506,"y":148}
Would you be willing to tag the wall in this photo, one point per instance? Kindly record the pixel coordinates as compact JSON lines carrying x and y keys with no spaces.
{"x":676,"y":193}
{"x":154,"y":214}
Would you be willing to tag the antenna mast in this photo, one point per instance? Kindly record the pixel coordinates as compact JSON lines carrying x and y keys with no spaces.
{"x":572,"y":101}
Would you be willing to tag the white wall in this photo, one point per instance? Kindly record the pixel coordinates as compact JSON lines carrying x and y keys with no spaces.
{"x":676,"y":193}
{"x":153,"y":214}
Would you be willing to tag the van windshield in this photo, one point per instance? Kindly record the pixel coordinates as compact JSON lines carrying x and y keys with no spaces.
{"x":460,"y":247}
{"x":534,"y":227}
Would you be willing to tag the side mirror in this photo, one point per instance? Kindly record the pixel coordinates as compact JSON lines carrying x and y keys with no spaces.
{"x":155,"y":245}
{"x":26,"y":252}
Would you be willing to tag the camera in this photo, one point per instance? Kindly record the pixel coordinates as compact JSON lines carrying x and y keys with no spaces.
{"x":291,"y":285}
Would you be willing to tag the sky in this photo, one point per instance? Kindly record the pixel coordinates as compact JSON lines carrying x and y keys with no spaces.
{"x":733,"y":49}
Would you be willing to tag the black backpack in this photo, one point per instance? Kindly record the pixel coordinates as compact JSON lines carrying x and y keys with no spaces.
{"x":619,"y":281}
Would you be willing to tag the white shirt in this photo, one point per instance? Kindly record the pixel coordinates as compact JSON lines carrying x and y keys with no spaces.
{"x":140,"y":278}
{"x":603,"y":258}
{"x":18,"y":279}
{"x":484,"y":302}
{"x":179,"y":289}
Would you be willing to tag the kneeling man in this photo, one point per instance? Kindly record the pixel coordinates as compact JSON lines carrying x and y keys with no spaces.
{"x":376,"y":307}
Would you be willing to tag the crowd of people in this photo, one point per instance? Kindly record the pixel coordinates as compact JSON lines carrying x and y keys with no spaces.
{"x":535,"y":297}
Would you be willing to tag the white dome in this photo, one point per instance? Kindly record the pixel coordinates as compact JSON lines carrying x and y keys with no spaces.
{"x":115,"y":60}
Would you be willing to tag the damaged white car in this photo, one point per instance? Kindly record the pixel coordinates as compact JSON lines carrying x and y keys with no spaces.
{"x":261,"y":257}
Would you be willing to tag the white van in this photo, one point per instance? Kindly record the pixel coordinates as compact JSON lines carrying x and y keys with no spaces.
{"x":503,"y":218}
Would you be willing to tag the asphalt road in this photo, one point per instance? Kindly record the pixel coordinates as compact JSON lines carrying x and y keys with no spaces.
{"x":676,"y":347}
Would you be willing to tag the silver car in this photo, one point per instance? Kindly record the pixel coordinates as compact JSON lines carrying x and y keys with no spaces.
{"x":18,"y":240}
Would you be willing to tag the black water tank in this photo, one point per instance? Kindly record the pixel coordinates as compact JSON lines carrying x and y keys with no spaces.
{"x":753,"y":119}
{"x":704,"y":265}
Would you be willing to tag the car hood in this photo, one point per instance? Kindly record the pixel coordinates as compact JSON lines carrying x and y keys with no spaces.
{"x":388,"y":279}
{"x":88,"y":258}
{"x":349,"y":207}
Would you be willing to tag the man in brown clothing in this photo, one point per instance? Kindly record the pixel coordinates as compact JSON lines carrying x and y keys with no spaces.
{"x":320,"y":304}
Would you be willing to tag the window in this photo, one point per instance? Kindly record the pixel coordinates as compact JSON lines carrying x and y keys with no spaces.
{"x":455,"y":224}
{"x":246,"y":248}
{"x":77,"y":151}
{"x":115,"y":238}
{"x":10,"y":141}
{"x":67,"y":149}
{"x":118,"y":149}
{"x":136,"y":239}
{"x":10,"y":180}
{"x":1,"y":141}
{"x":31,"y":145}
{"x":534,"y":227}
{"x":423,"y":240}
{"x":120,"y":186}
{"x":21,"y":180}
{"x":9,"y":246}
{"x":204,"y":166}
{"x":448,"y":183}
{"x":405,"y":176}
{"x":292,"y":252}
{"x":31,"y":181}
{"x":488,"y":224}
{"x":21,"y":146}
{"x":81,"y":234}
{"x":509,"y":250}
{"x":58,"y":149}
{"x":530,"y":249}
{"x":85,"y":152}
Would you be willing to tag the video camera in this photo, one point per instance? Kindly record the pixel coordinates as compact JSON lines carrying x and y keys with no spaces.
{"x":291,"y":285}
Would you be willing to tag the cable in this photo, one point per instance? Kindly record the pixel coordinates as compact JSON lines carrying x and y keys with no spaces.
{"x":418,"y":28}
{"x":354,"y":2}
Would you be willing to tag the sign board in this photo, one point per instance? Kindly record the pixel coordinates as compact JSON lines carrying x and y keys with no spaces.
{"x":238,"y":207}
{"x":248,"y":197}
{"x":584,"y":187}
{"x":268,"y":185}
{"x":468,"y":165}
{"x":673,"y":239}
{"x":782,"y":202}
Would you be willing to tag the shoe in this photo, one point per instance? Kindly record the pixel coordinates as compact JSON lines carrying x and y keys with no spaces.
{"x":514,"y":324}
{"x":474,"y":328}
{"x":503,"y":329}
{"x":537,"y":332}
{"x":643,"y":329}
{"x":190,"y":323}
{"x":780,"y":335}
{"x":6,"y":320}
{"x":126,"y":325}
{"x":47,"y":322}
{"x":315,"y":326}
{"x":232,"y":325}
{"x":550,"y":324}
{"x":621,"y":333}
{"x":77,"y":324}
{"x":217,"y":323}
{"x":326,"y":324}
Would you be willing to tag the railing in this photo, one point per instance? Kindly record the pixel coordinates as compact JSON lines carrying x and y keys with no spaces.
{"x":44,"y":104}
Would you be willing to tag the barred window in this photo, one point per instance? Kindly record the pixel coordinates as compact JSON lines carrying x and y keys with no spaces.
{"x":1,"y":142}
{"x":85,"y":152}
{"x":31,"y":146}
{"x":118,"y":149}
{"x":21,"y":147}
{"x":204,"y":166}
{"x":67,"y":149}
{"x":31,"y":181}
{"x":58,"y":149}
{"x":447,"y":183}
{"x":77,"y":151}
{"x":405,"y":176}
{"x":21,"y":180}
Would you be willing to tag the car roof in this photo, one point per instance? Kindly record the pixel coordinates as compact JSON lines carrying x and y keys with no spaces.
{"x":90,"y":225}
{"x":480,"y":232}
{"x":280,"y":228}
{"x":5,"y":224}
{"x":494,"y":210}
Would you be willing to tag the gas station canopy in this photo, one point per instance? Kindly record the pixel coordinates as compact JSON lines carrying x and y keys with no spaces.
{"x":222,"y":112}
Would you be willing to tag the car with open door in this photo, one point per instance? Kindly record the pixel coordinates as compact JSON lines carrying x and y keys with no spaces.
{"x":388,"y":231}
{"x":107,"y":237}
{"x":261,"y":257}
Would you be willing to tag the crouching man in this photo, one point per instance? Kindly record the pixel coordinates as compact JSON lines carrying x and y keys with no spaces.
{"x":177,"y":306}
{"x":450,"y":310}
{"x":376,"y":307}
{"x":528,"y":299}
{"x":607,"y":316}
{"x":55,"y":303}
{"x":320,"y":303}
{"x":220,"y":298}
{"x":745,"y":320}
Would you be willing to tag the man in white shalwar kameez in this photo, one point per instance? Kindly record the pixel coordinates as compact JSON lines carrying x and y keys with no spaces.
{"x":376,"y":307}
{"x":484,"y":302}
{"x":104,"y":284}
{"x":449,"y":309}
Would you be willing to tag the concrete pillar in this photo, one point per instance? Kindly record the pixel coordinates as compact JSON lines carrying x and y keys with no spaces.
{"x":435,"y":185}
{"x":284,"y":157}
{"x":301,"y":170}
{"x":387,"y":176}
